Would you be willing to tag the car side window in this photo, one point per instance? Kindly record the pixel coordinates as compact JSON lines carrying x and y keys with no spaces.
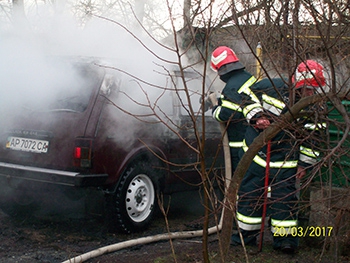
{"x":73,"y":94}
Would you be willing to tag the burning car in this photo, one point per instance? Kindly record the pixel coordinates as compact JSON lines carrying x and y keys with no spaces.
{"x":90,"y":132}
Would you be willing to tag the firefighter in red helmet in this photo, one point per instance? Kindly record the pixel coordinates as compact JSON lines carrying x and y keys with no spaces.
{"x":237,"y":106}
{"x":290,"y":156}
{"x":308,"y":77}
{"x":309,"y":74}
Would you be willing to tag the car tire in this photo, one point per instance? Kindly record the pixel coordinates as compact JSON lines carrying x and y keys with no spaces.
{"x":134,"y":203}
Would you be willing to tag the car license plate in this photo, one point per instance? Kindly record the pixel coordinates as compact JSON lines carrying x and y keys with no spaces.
{"x":27,"y":144}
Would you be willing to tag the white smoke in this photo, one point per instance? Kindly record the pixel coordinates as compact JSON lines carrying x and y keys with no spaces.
{"x":24,"y":52}
{"x":31,"y":69}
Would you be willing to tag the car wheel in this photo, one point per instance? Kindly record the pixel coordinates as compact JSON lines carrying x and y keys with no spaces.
{"x":133,"y":205}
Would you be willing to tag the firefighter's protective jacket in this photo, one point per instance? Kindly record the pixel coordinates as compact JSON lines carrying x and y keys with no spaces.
{"x":238,"y":105}
{"x":288,"y":149}
{"x":238,"y":90}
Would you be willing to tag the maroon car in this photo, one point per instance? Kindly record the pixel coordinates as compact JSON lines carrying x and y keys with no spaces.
{"x":102,"y":129}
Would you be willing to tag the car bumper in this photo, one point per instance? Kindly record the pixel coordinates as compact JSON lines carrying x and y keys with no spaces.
{"x":43,"y":175}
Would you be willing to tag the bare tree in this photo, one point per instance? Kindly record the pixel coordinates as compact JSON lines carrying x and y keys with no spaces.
{"x":284,"y":33}
{"x":289,"y":32}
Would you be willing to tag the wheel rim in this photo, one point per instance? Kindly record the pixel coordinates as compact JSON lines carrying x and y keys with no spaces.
{"x":139,"y":198}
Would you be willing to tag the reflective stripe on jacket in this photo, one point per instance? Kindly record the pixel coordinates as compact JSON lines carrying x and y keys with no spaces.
{"x":245,"y":88}
{"x":282,"y":164}
{"x":307,"y":152}
{"x":250,"y":110}
{"x":228,"y":111}
{"x":272,"y":105}
{"x":225,"y":104}
{"x":239,"y":90}
{"x":236,"y":144}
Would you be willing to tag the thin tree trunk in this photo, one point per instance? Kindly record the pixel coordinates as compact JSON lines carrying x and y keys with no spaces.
{"x":187,"y":13}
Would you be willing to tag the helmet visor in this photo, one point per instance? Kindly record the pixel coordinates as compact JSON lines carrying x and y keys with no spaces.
{"x":230,"y":67}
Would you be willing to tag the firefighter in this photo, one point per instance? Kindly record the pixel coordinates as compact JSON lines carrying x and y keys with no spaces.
{"x":289,"y":159}
{"x":237,"y":106}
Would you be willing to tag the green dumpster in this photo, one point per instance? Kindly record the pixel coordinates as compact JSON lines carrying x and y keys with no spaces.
{"x":336,"y":171}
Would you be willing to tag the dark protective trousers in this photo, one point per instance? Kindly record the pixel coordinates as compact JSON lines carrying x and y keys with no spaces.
{"x":282,"y":204}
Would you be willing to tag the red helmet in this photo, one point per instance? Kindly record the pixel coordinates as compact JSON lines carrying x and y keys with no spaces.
{"x":224,"y":60}
{"x":309,"y":73}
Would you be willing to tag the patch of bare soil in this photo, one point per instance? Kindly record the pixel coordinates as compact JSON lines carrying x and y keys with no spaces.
{"x":57,"y":239}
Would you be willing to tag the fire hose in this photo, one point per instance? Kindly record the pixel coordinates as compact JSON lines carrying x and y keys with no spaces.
{"x":166,"y":236}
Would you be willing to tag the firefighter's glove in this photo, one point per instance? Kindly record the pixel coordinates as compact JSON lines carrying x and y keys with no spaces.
{"x":262,"y":123}
{"x":207,"y":102}
{"x":301,"y":172}
{"x":213,"y":99}
{"x":210,"y":101}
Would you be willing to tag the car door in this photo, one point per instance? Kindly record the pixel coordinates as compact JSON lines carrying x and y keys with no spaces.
{"x":189,"y":116}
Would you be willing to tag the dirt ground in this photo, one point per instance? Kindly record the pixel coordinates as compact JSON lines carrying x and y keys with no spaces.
{"x":57,"y":238}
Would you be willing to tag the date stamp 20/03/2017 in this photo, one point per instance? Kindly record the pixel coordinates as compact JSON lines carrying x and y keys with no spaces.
{"x":308,"y":231}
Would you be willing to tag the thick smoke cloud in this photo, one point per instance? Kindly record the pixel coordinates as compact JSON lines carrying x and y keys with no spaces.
{"x":29,"y":73}
{"x":32,"y":73}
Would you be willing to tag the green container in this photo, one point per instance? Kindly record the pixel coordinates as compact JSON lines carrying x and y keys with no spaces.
{"x":337,"y":170}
